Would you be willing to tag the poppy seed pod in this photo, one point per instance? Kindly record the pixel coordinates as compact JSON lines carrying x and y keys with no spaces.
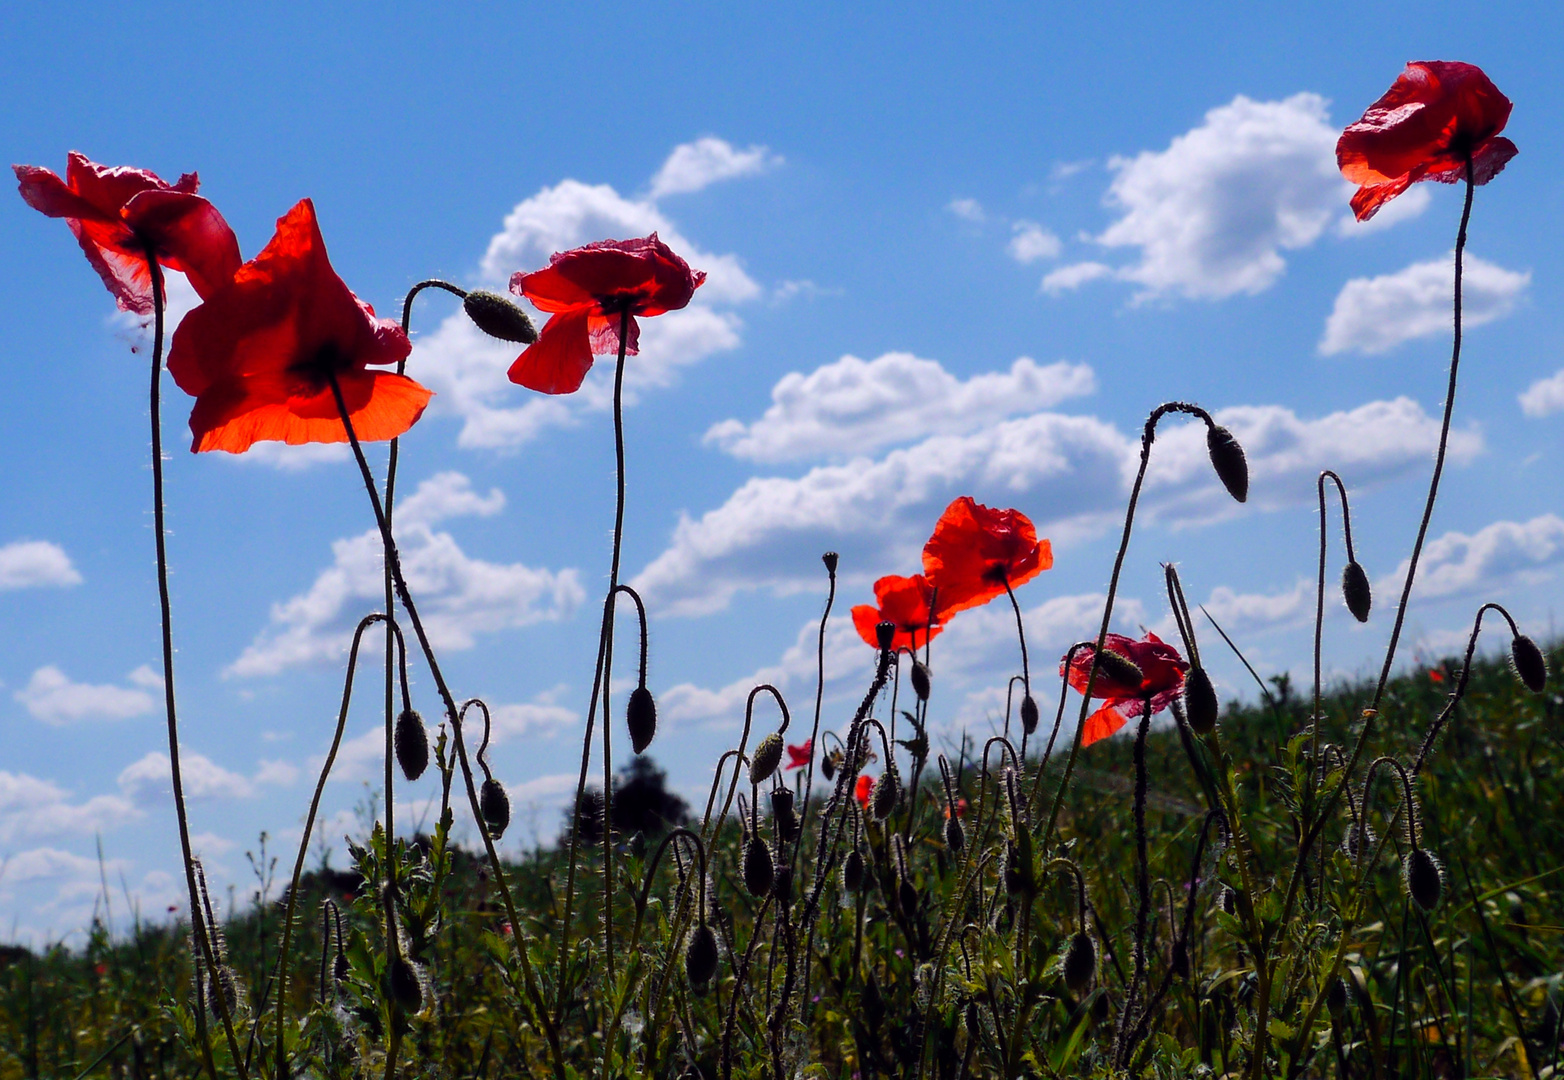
{"x":759,"y":868}
{"x":1119,"y":668}
{"x":1029,"y":714}
{"x":1356,"y":592}
{"x":830,"y":559}
{"x":1227,"y":458}
{"x":1530,"y":666}
{"x":1424,"y":879}
{"x":1080,"y":962}
{"x":700,"y":956}
{"x":885,"y":634}
{"x":498,"y":317}
{"x":768,"y":755}
{"x":955,"y":835}
{"x":852,"y":871}
{"x":412,"y":744}
{"x":882,"y":800}
{"x":641,"y":718}
{"x":404,"y":986}
{"x":494,"y":804}
{"x":1200,"y":701}
{"x":920,"y":680}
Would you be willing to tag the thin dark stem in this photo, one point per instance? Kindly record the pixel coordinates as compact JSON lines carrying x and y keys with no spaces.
{"x":1142,"y":890}
{"x":1026,"y":669}
{"x":1460,"y":687}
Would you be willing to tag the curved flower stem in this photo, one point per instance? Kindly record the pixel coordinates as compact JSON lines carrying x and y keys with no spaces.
{"x":394,"y":561}
{"x":1460,"y":686}
{"x":1026,"y":670}
{"x":203,"y":943}
{"x":1142,"y":892}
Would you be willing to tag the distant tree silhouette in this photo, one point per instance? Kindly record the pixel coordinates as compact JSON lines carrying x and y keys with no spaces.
{"x":642,"y":804}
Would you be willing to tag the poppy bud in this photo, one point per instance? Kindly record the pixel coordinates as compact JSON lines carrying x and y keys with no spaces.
{"x":498,"y":317}
{"x":1424,"y":879}
{"x":1180,"y":961}
{"x":1080,"y":962}
{"x":403,"y":985}
{"x":1227,"y":458}
{"x":782,"y":812}
{"x":782,"y":887}
{"x":412,"y":744}
{"x":885,"y":634}
{"x":1229,"y":901}
{"x":830,"y":558}
{"x":1017,"y":874}
{"x":768,"y":755}
{"x":340,"y":967}
{"x":1100,"y":1007}
{"x":955,"y":835}
{"x":907,"y":897}
{"x":759,"y":869}
{"x":829,"y":764}
{"x":852,"y":871}
{"x":494,"y":805}
{"x":1358,"y":840}
{"x":1120,"y":669}
{"x":700,"y":956}
{"x":920,"y":680}
{"x":1200,"y":701}
{"x":1528,"y":663}
{"x":641,"y":718}
{"x":882,"y":800}
{"x":1029,"y":715}
{"x":1336,"y":997}
{"x":1356,"y":592}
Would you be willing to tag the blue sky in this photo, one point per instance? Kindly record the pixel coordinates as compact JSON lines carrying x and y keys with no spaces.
{"x":949,"y":254}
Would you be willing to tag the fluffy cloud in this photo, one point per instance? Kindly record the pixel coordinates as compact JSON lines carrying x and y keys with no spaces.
{"x":459,"y":596}
{"x":29,"y":564}
{"x":1211,"y":214}
{"x":855,"y":406}
{"x":967,"y":210}
{"x":699,"y":164}
{"x":50,"y":696}
{"x":35,"y":809}
{"x":1074,"y":276}
{"x":1542,"y":398}
{"x":1374,"y":315}
{"x":877,"y":512}
{"x":1486,"y":563}
{"x":147,"y":781}
{"x":1032,"y":242}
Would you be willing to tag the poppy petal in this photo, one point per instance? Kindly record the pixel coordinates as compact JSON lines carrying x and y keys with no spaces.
{"x":1102,"y":723}
{"x":46,"y":193}
{"x":189,"y":235}
{"x":237,"y":413}
{"x":550,"y":291}
{"x":604,"y":333}
{"x":558,"y":361}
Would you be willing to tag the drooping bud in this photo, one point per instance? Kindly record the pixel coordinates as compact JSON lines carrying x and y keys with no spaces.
{"x":404,"y":986}
{"x":759,"y":867}
{"x":1424,"y":879}
{"x":920,"y":680}
{"x":1180,"y":960}
{"x":882,"y":800}
{"x":1358,"y":841}
{"x":788,"y":827}
{"x":1029,"y":714}
{"x":907,"y":897}
{"x":1200,"y":703}
{"x":498,"y":317}
{"x":885,"y":634}
{"x":1017,"y":874}
{"x":768,"y":755}
{"x":641,"y":718}
{"x":1227,"y":458}
{"x":1336,"y":997}
{"x":1528,"y":663}
{"x":1356,"y":592}
{"x":1121,"y":669}
{"x":829,"y":764}
{"x":955,"y":835}
{"x":1080,"y":962}
{"x":700,"y":956}
{"x":1229,"y":901}
{"x":830,"y":558}
{"x":852,"y":871}
{"x":494,"y":804}
{"x":412,"y":744}
{"x":340,"y":966}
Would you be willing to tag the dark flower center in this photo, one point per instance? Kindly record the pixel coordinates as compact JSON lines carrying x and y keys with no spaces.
{"x":618,"y":303}
{"x":317,"y":368}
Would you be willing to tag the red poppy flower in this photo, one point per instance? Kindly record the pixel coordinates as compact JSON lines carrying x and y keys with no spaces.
{"x":258,"y":354}
{"x":588,"y":291}
{"x":1438,"y":115}
{"x":903,"y":601}
{"x":799,"y":756}
{"x":1435,"y":675}
{"x":118,"y":213}
{"x":1162,"y":679}
{"x":862,"y":789}
{"x":961,"y":808}
{"x":976,"y":550}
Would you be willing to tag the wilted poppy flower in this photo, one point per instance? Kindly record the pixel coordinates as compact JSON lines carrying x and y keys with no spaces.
{"x":1162,"y":679}
{"x":588,"y":290}
{"x":799,"y":756}
{"x":117,"y":214}
{"x":862,"y":790}
{"x":904,"y":602}
{"x":258,"y":355}
{"x":976,"y":551}
{"x":1438,"y":115}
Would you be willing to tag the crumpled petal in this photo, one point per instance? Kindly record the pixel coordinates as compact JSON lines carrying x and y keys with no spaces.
{"x":558,"y":361}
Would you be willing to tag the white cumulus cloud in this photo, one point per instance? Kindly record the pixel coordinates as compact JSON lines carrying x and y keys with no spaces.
{"x":1375,"y":314}
{"x":30,"y":564}
{"x":967,"y":210}
{"x":1484,"y":564}
{"x":855,"y":406}
{"x":699,"y":164}
{"x":1074,"y":276}
{"x":1032,"y":242}
{"x":32,"y":809}
{"x":52,"y":697}
{"x":1545,"y":396}
{"x":148,"y":780}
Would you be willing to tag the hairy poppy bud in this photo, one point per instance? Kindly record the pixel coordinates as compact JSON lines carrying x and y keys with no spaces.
{"x":920,"y":680}
{"x":1227,"y":458}
{"x":1121,"y":669}
{"x":782,"y":812}
{"x":1080,"y":962}
{"x":955,"y":835}
{"x":829,"y":764}
{"x":782,"y":886}
{"x":340,"y":966}
{"x":1336,"y":997}
{"x":768,"y":755}
{"x":494,"y":804}
{"x":882,"y":800}
{"x":1200,"y":701}
{"x":700,"y":955}
{"x":412,"y":744}
{"x":885,"y":634}
{"x":759,"y":869}
{"x":1356,"y":592}
{"x":404,"y":986}
{"x":907,"y":897}
{"x":1029,"y":715}
{"x":1180,"y":961}
{"x":498,"y":317}
{"x":1358,"y":841}
{"x":641,"y":718}
{"x":852,"y":871}
{"x":1017,"y":874}
{"x":1229,"y":901}
{"x":1424,"y":879}
{"x":830,"y":558}
{"x":1530,"y":666}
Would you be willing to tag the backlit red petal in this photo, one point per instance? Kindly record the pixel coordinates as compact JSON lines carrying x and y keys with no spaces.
{"x":1101,"y":724}
{"x":188,"y":234}
{"x":549,"y":290}
{"x":560,"y":358}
